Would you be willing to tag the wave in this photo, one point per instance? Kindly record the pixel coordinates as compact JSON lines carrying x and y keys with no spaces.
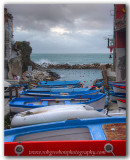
{"x":44,"y":62}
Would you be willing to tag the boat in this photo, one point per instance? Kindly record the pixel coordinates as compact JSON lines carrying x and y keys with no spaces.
{"x":53,"y":114}
{"x":26,"y":103}
{"x":121,"y":103}
{"x":114,"y":96}
{"x":123,"y":83}
{"x":59,"y":83}
{"x":99,"y":128}
{"x":41,"y":89}
{"x":61,"y":86}
{"x":99,"y":84}
{"x":64,"y":93}
{"x":119,"y":88}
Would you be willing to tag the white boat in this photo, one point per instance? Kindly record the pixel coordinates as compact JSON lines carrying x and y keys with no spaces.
{"x":54,"y":113}
{"x":115,"y":96}
{"x":121,"y":103}
{"x":119,"y":89}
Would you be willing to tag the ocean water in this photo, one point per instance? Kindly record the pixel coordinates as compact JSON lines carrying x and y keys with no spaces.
{"x":86,"y":76}
{"x":71,"y":58}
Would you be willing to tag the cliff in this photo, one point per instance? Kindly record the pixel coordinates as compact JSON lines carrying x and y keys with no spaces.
{"x":20,"y":60}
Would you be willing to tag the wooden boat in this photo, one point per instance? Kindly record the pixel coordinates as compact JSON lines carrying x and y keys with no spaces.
{"x":121,"y":103}
{"x":114,"y":96}
{"x":119,"y":88}
{"x":23,"y":104}
{"x":59,"y":83}
{"x":64,"y":93}
{"x":53,"y":114}
{"x":99,"y":128}
{"x":123,"y":83}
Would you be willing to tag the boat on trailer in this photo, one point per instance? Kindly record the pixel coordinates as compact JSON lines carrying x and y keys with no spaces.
{"x":26,"y":103}
{"x":101,"y":128}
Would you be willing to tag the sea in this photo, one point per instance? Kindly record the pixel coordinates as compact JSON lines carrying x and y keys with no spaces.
{"x":86,"y":76}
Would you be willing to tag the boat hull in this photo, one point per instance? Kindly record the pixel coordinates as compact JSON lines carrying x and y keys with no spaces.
{"x":121,"y":104}
{"x":123,"y":83}
{"x":117,"y":89}
{"x":23,"y":104}
{"x":53,"y":114}
{"x":58,"y":83}
{"x":91,"y":92}
{"x":115,"y":96}
{"x":94,"y":126}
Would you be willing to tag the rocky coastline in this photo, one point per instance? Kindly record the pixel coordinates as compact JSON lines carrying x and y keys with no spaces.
{"x":19,"y":62}
{"x":76,"y":66}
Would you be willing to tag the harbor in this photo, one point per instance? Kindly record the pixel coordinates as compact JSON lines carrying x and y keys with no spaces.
{"x":65,"y":102}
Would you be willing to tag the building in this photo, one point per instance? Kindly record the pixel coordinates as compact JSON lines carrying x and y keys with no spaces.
{"x":8,"y":26}
{"x":8,"y":40}
{"x":119,"y":42}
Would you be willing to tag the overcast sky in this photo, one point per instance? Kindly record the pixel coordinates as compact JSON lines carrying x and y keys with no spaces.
{"x":63,"y":28}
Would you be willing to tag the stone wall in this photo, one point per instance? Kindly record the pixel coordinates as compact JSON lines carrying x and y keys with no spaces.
{"x":15,"y":67}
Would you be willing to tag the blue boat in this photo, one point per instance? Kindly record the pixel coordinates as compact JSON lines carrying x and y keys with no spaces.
{"x":64,"y":93}
{"x":114,"y":96}
{"x":99,"y":84}
{"x":79,"y":129}
{"x":41,"y":89}
{"x":60,"y":86}
{"x":59,"y":83}
{"x":26,"y":103}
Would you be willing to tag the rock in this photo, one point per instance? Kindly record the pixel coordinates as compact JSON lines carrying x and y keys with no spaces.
{"x":18,"y":65}
{"x":37,"y":76}
{"x":15,"y":67}
{"x":77,"y":66}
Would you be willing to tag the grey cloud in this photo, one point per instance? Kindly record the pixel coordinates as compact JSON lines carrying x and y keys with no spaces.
{"x":37,"y":19}
{"x":44,"y":16}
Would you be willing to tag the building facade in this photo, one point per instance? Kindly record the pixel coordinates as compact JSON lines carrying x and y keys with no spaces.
{"x":119,"y":42}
